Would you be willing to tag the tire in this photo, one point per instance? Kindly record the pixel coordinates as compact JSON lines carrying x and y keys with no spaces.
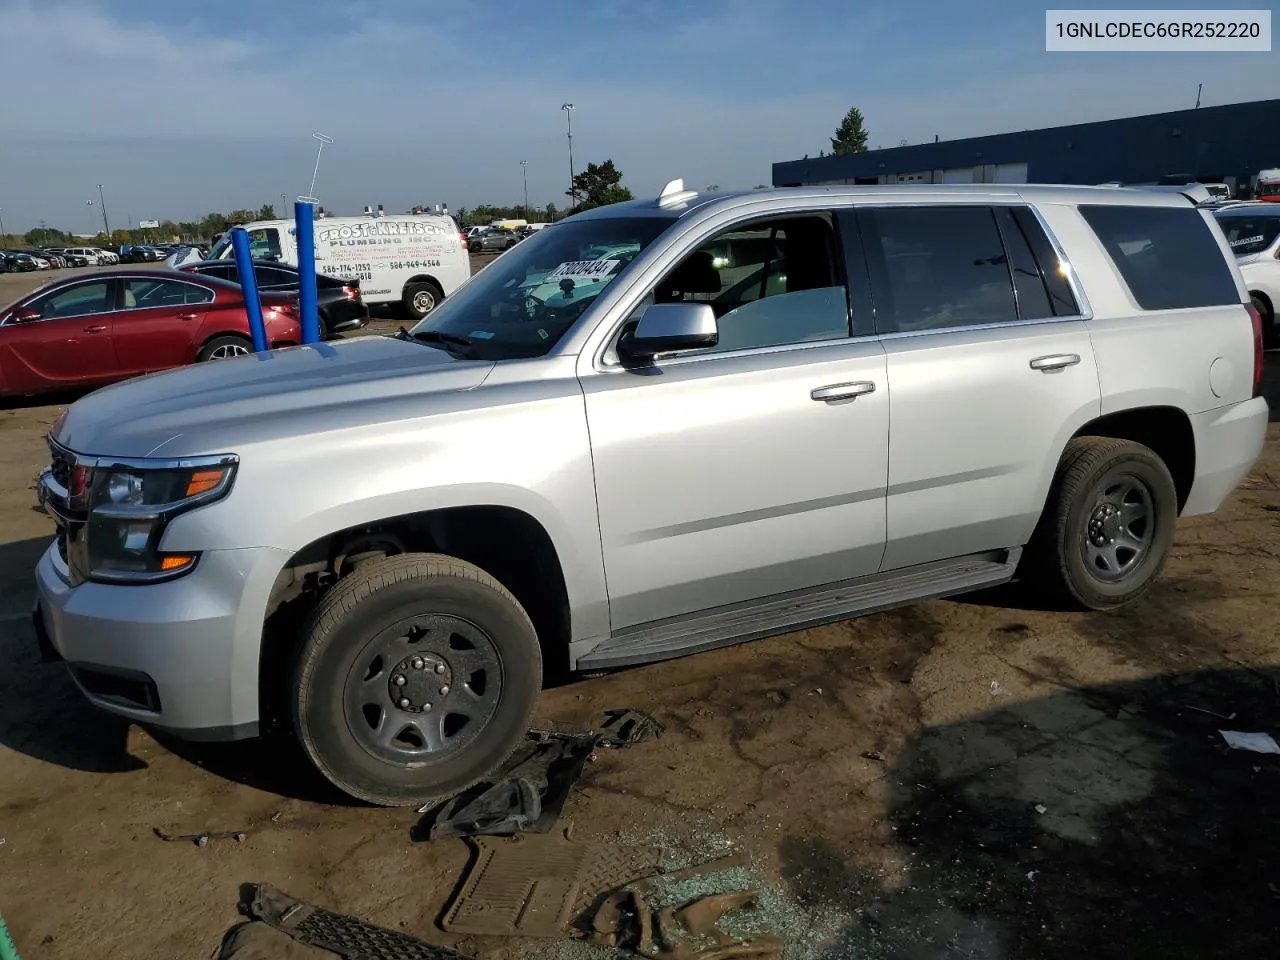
{"x":1084,"y":550}
{"x":1270,"y":331}
{"x":510,"y":244}
{"x":421,"y":298}
{"x":344,"y":696}
{"x":224,"y":347}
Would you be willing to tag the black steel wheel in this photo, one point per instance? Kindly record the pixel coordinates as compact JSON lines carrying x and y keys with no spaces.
{"x":418,"y":677}
{"x":1108,"y":526}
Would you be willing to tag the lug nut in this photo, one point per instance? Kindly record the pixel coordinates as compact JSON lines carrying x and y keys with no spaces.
{"x":404,"y":703}
{"x":416,"y":663}
{"x":426,"y":708}
{"x":399,"y":680}
{"x":444,"y":691}
{"x":439,"y":668}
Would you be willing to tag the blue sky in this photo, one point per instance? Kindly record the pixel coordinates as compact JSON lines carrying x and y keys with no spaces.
{"x":180,"y":109}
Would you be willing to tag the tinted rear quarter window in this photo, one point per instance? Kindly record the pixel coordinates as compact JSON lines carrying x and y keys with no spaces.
{"x":1168,"y":256}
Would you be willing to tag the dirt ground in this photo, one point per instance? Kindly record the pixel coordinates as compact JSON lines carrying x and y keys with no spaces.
{"x":969,"y":778}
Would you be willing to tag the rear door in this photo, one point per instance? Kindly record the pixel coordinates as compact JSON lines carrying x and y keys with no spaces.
{"x":990,"y":370}
{"x":157,"y":323}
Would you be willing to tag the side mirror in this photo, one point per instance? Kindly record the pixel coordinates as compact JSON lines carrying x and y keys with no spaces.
{"x":26,"y":315}
{"x":667,"y":328}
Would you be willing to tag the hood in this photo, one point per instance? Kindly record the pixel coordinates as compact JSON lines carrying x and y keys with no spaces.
{"x":224,"y":405}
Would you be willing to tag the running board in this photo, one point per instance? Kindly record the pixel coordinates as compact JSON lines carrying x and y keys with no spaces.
{"x":782,"y":613}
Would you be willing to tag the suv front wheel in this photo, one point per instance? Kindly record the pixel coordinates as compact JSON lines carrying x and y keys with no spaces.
{"x":418,"y":677}
{"x":1108,"y":526}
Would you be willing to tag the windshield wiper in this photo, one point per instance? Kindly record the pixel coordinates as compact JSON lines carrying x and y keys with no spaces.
{"x":435,"y":336}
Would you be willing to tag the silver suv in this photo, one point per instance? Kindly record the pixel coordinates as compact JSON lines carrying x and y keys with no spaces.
{"x":770,"y":410}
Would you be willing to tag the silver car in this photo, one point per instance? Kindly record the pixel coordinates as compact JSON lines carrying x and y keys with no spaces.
{"x":789,"y":407}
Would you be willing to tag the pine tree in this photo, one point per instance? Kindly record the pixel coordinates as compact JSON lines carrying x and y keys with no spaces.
{"x":851,"y":135}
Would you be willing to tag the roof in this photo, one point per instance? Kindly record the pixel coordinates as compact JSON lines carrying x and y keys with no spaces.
{"x":850,"y":195}
{"x":1249,"y":209}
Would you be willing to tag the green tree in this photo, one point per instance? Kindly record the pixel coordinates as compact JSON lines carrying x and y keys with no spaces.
{"x":599,"y":185}
{"x":45,"y":237}
{"x":851,"y":135}
{"x":552,"y":211}
{"x":266,"y":212}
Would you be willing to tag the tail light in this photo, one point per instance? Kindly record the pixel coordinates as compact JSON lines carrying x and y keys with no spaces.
{"x":351,"y":292}
{"x":1258,"y":355}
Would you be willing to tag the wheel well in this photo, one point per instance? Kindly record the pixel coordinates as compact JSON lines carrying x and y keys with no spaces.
{"x":1266,"y":302}
{"x":224,"y":333}
{"x":423,"y":278}
{"x":508,"y":544}
{"x":1166,"y":430}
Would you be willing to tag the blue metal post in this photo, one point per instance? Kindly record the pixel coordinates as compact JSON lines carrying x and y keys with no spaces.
{"x":249,"y":286}
{"x":305,"y":237}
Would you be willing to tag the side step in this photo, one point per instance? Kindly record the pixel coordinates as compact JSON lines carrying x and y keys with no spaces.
{"x":782,"y":613}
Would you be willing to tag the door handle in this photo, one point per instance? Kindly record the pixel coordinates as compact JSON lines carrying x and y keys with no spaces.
{"x":187,"y":316}
{"x":842,"y":391}
{"x":95,"y":328}
{"x":1055,"y":361}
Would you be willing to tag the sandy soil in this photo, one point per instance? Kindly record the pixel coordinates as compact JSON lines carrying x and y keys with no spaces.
{"x":969,"y":778}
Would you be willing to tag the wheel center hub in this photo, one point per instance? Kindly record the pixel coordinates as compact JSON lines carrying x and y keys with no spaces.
{"x":1104,"y":524}
{"x":418,"y":683}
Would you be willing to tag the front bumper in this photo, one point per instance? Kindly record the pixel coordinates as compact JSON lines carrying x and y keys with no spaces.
{"x":180,"y":656}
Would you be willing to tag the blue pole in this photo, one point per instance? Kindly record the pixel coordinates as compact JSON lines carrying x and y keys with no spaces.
{"x":249,"y":287}
{"x":305,"y":237}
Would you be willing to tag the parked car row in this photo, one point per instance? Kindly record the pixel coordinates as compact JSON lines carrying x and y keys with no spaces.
{"x":485,"y":239}
{"x":88,"y":331}
{"x":54,"y":258}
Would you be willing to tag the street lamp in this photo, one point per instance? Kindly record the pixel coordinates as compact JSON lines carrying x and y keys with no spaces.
{"x":103,"y":207}
{"x":284,"y":205}
{"x":2,"y":233}
{"x":573,"y":190}
{"x":89,"y":203}
{"x":524,"y":169}
{"x":322,"y":139}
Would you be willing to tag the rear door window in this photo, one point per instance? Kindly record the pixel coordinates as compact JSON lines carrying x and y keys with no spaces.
{"x":1168,"y":256}
{"x":934,"y":268}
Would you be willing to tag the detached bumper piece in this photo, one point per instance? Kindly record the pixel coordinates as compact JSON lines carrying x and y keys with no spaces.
{"x":346,"y":936}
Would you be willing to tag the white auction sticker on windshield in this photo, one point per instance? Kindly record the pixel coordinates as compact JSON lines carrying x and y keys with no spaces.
{"x":1247,"y":240}
{"x":582,"y":268}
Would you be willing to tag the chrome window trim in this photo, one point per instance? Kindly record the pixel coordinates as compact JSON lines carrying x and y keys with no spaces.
{"x":715,"y":218}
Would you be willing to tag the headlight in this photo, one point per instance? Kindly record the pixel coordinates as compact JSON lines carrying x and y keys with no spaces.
{"x":130,"y":504}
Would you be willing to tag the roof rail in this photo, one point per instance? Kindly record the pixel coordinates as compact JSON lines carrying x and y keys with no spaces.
{"x":675,"y":195}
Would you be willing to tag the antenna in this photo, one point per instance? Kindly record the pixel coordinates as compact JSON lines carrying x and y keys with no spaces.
{"x":675,"y":195}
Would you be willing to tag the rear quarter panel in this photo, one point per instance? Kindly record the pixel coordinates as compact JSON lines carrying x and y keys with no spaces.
{"x":1161,"y":357}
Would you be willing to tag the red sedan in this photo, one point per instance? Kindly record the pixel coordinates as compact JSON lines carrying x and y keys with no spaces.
{"x":94,"y":330}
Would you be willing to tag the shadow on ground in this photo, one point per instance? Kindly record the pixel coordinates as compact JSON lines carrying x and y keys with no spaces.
{"x":1101,"y":822}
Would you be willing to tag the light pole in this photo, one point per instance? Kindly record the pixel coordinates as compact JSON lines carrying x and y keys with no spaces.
{"x":2,"y":233}
{"x":316,"y":172}
{"x":284,"y":206}
{"x":102,"y":205}
{"x":524,"y":169}
{"x":568,"y":116}
{"x":89,"y":203}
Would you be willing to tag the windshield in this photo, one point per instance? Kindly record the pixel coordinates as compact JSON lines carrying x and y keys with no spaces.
{"x":1249,"y":233}
{"x":522,"y":303}
{"x":224,"y":241}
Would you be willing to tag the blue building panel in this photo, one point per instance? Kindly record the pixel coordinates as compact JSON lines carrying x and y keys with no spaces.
{"x":1230,"y":142}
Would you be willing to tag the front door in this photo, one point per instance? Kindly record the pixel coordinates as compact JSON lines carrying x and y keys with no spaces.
{"x":69,"y":346}
{"x":727,"y":474}
{"x":991,"y":370}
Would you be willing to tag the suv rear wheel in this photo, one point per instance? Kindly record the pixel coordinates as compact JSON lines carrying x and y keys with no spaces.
{"x":418,"y":677}
{"x":1108,"y":526}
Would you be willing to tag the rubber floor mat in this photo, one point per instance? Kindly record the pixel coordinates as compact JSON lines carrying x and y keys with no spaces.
{"x":348,"y":937}
{"x":537,"y":885}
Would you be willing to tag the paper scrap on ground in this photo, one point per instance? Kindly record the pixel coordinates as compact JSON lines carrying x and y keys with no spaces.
{"x":1257,"y":742}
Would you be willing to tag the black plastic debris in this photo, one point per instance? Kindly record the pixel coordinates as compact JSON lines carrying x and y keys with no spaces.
{"x":530,"y":791}
{"x":624,"y":727}
{"x":346,"y":936}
